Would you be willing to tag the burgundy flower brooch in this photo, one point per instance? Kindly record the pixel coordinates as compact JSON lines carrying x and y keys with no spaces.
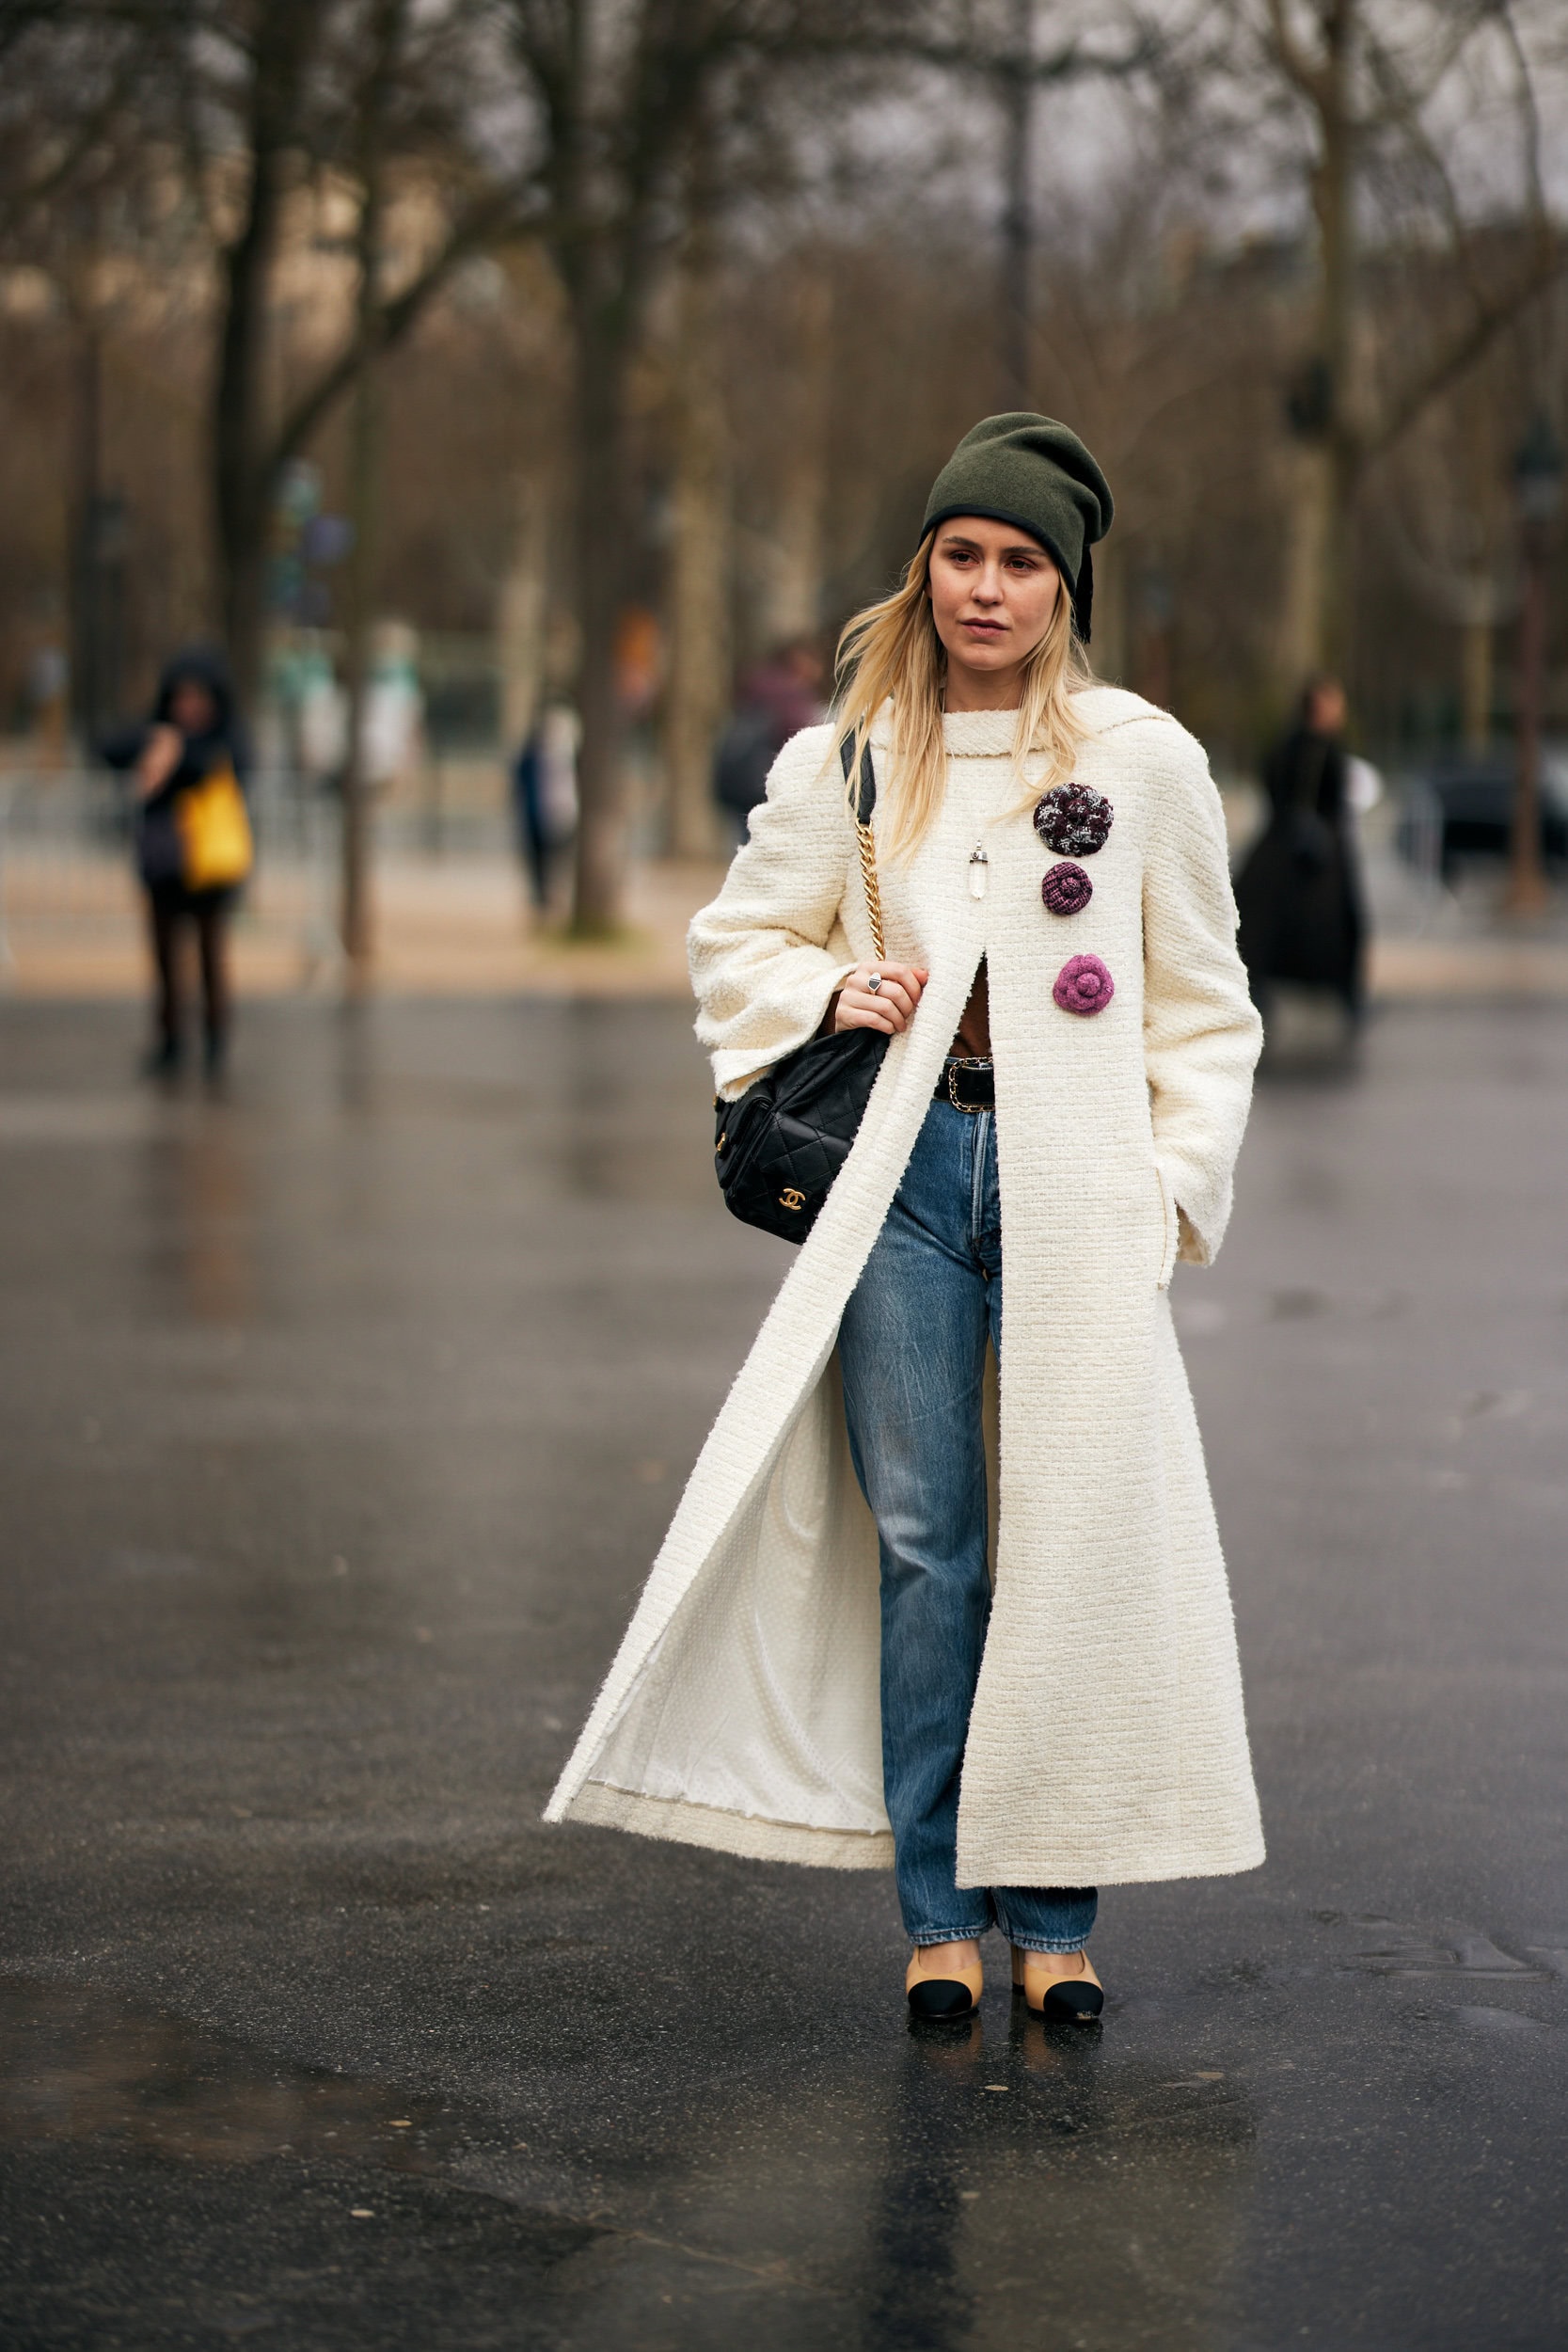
{"x":1072,"y":820}
{"x":1075,"y":823}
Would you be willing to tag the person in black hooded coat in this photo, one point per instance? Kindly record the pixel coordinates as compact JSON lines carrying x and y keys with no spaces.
{"x":1299,"y":892}
{"x":192,"y":729}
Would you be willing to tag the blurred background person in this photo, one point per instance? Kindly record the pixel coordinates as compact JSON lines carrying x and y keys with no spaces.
{"x":187,"y":763}
{"x":393,"y":726}
{"x":545,"y":796}
{"x":1299,"y":892}
{"x":777,"y":698}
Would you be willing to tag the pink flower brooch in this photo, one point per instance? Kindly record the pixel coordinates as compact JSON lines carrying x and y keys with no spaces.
{"x":1067,"y":889}
{"x":1084,"y":985}
{"x":1072,"y":820}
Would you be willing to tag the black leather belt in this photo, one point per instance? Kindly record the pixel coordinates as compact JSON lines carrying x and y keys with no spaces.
{"x":968,"y":1084}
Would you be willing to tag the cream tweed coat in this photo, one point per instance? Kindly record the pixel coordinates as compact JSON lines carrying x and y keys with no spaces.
{"x":1107,"y":1740}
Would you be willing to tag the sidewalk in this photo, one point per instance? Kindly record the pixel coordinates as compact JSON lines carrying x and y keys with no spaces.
{"x":459,"y":926}
{"x":448,"y":927}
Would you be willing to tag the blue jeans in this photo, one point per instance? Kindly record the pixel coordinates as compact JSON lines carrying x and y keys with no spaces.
{"x":913,"y":1352}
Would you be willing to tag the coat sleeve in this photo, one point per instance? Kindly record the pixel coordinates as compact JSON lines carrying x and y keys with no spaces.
{"x":1201,"y":1030}
{"x":768,"y":952}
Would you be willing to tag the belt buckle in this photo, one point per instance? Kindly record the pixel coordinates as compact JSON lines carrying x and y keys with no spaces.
{"x":971,"y":1062}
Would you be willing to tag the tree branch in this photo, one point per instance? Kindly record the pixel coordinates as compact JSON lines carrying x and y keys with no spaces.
{"x":1402,"y":108}
{"x":1308,"y":77}
{"x":1462,"y":352}
{"x":483,"y":222}
{"x":85,"y":136}
{"x":1068,"y":63}
{"x":1534,"y":183}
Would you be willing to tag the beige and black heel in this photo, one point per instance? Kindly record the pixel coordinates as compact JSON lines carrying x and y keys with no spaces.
{"x":946,"y":1993}
{"x":1060,"y":1987}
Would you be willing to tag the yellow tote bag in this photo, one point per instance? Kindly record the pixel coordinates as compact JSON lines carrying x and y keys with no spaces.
{"x":216,"y":846}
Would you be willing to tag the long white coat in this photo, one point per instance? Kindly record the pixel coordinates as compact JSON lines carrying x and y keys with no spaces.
{"x":1107,"y":1740}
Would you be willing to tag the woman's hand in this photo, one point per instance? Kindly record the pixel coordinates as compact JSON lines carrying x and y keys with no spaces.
{"x":161,"y":755}
{"x":889,"y":1006}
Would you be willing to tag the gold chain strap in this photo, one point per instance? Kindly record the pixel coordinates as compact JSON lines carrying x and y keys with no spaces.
{"x":873,"y":893}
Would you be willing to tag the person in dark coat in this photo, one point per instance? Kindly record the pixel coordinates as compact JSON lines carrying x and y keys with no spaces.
{"x":193,"y":730}
{"x":1299,"y":893}
{"x":545,"y":796}
{"x":528,"y":803}
{"x":776,"y":700}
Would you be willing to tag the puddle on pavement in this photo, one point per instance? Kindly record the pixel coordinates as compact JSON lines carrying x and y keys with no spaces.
{"x":1398,"y":1948}
{"x":1506,"y":2021}
{"x":995,"y":2177}
{"x":78,"y":2065}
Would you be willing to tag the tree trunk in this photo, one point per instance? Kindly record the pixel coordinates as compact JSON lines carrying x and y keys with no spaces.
{"x":602,"y":528}
{"x":1110,"y":647}
{"x":242,"y":474}
{"x":1017,"y":90}
{"x":96,"y":609}
{"x":795,"y":588}
{"x":1526,"y":893}
{"x":364,"y":470}
{"x":364,"y":449}
{"x":1476,"y":674}
{"x":520,"y":615}
{"x":698,"y":691}
{"x":1334,"y":203}
{"x":1308,"y":496}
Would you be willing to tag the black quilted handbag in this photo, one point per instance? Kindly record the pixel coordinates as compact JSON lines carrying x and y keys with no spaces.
{"x":778,"y":1148}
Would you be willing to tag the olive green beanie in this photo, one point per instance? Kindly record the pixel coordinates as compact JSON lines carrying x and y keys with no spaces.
{"x":1031,"y":471}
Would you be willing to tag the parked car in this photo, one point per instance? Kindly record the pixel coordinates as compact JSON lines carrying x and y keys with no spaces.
{"x":1461,"y":808}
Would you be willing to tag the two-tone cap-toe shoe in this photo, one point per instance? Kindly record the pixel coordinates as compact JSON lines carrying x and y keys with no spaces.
{"x":1061,"y":1987}
{"x":944,"y":1993}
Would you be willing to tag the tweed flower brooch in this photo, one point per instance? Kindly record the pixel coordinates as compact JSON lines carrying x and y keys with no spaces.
{"x":1075,"y":823}
{"x":1084,"y":985}
{"x":1072,"y":820}
{"x":1067,"y":889}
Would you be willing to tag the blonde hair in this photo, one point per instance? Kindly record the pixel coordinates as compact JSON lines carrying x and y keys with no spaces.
{"x":891,"y":653}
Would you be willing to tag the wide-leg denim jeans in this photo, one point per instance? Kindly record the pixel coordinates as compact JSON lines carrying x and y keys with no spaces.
{"x":913,"y":1352}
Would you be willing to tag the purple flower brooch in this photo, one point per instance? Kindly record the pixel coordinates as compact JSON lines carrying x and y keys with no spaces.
{"x":1067,"y":889}
{"x":1084,"y":985}
{"x":1072,"y":820}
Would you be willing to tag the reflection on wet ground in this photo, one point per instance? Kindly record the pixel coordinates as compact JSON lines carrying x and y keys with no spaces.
{"x":338,"y":1418}
{"x":958,"y":2180}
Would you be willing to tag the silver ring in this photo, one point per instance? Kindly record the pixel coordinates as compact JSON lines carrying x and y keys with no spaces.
{"x":874,"y":981}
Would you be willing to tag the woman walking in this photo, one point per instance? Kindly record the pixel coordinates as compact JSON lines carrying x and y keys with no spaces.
{"x":191,"y":743}
{"x":899,"y":1618}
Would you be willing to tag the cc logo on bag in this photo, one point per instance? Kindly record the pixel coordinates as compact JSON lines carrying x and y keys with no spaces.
{"x":790,"y":1199}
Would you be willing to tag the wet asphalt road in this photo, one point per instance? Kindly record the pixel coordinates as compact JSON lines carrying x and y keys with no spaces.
{"x":341,"y":1418}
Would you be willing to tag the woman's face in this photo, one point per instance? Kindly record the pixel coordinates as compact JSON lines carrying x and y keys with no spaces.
{"x":993,"y":592}
{"x":191,"y":708}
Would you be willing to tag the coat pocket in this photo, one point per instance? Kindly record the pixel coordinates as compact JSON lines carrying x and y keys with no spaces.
{"x":1172,"y":1229}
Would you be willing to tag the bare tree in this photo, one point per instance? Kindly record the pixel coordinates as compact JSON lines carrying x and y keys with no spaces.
{"x":303,"y":84}
{"x":278,"y":44}
{"x":385,"y":29}
{"x":617,"y":95}
{"x":1372,"y":80}
{"x":698,"y":684}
